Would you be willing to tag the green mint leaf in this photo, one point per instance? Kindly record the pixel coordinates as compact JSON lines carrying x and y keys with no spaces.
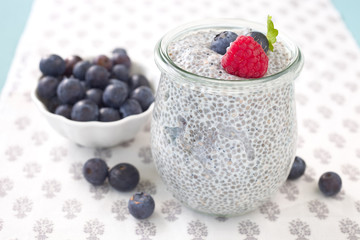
{"x":271,"y":33}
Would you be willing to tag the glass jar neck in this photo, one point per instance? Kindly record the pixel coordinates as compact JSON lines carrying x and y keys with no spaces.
{"x":166,"y":64}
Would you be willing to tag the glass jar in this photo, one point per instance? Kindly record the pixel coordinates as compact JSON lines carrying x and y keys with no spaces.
{"x":223,"y":147}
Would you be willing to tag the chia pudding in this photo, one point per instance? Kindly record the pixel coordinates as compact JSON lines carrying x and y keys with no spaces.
{"x":193,"y":54}
{"x":222,"y":145}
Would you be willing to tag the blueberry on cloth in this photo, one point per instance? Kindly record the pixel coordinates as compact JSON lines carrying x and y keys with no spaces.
{"x":330,"y":183}
{"x":144,"y":96}
{"x":70,"y":90}
{"x":52,"y":65}
{"x":141,"y":205}
{"x":222,"y":41}
{"x":95,"y":171}
{"x":85,"y":110}
{"x":124,"y":177}
{"x":297,"y":169}
{"x":109,"y":115}
{"x":130,"y":107}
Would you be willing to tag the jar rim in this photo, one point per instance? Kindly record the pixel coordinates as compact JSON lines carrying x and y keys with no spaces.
{"x":165,"y":63}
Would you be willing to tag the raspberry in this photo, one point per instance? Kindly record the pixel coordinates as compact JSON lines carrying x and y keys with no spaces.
{"x":245,"y":58}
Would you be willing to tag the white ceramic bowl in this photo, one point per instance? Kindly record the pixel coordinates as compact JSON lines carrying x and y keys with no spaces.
{"x":94,"y":133}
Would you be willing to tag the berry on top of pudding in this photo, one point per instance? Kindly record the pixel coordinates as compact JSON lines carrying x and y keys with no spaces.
{"x":222,"y":41}
{"x":246,"y":56}
{"x":201,"y":51}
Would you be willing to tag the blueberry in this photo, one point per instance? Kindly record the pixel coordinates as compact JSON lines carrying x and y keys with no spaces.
{"x":119,"y":51}
{"x":115,"y":81}
{"x":95,"y":171}
{"x":97,"y":77}
{"x":95,"y":94}
{"x":46,"y":87}
{"x":138,"y":80}
{"x":103,"y":61}
{"x":80,"y":69}
{"x":130,"y":107}
{"x":121,"y":72}
{"x":70,"y":91}
{"x":85,"y":110}
{"x":109,"y":115}
{"x":85,"y":86}
{"x":70,"y":63}
{"x":52,"y":65}
{"x":121,"y":57}
{"x":330,"y":183}
{"x":144,"y":96}
{"x":52,"y":104}
{"x":124,"y":177}
{"x":261,"y":39}
{"x":64,"y":110}
{"x":115,"y":94}
{"x":297,"y":169}
{"x":141,"y":205}
{"x":222,"y":41}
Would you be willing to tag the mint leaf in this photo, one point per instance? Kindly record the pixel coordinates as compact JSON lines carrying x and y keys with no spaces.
{"x":271,"y":33}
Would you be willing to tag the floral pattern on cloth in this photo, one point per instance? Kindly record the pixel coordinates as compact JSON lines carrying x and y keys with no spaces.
{"x":42,"y":189}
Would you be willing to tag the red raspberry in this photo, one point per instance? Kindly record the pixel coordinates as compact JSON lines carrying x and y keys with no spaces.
{"x":245,"y":58}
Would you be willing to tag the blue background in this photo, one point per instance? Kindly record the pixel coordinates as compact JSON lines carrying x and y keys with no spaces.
{"x":14,"y":14}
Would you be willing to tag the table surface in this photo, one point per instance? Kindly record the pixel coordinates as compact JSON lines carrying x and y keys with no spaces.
{"x":41,"y":185}
{"x":15,"y":13}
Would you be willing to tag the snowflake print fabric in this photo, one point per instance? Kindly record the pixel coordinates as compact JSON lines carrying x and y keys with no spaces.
{"x":44,"y":195}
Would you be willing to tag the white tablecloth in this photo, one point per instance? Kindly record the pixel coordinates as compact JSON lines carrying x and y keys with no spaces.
{"x":43,"y":194}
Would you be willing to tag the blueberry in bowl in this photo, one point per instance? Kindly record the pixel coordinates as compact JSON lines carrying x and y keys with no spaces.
{"x":94,"y":102}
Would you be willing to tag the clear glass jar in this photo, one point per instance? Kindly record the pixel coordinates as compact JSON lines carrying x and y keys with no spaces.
{"x":223,"y":147}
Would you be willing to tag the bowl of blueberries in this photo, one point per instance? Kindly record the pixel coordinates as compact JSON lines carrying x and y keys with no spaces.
{"x":94,"y":102}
